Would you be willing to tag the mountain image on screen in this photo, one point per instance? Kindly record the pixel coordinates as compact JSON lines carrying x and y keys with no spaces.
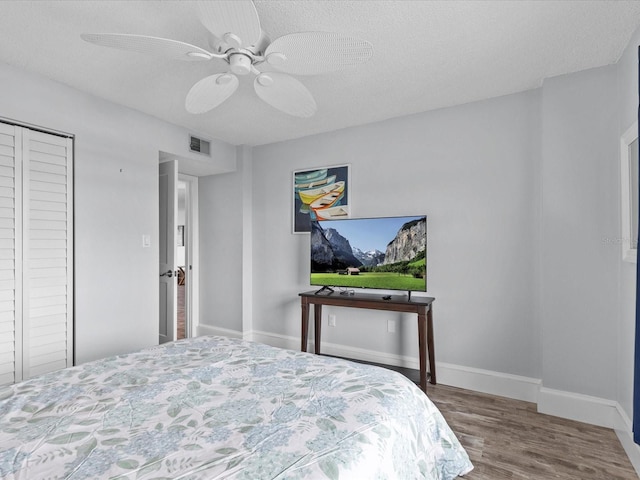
{"x":397,"y":261}
{"x":371,"y":258}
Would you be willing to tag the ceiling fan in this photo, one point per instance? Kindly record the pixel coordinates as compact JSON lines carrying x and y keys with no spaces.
{"x":237,"y":38}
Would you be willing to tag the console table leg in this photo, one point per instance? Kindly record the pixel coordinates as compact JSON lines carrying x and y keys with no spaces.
{"x":305,"y":325}
{"x":317,"y":316}
{"x":430,"y":345}
{"x":422,"y":346}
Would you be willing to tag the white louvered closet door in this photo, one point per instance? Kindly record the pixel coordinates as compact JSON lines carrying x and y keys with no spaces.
{"x":10,"y":254}
{"x":36,"y":263}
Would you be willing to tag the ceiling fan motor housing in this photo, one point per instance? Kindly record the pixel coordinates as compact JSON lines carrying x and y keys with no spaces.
{"x":240,"y":63}
{"x":219,"y":45}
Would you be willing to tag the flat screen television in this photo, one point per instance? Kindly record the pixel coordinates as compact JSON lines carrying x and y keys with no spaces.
{"x":387,"y":253}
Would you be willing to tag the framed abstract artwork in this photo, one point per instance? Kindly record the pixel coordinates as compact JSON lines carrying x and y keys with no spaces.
{"x":320,"y":193}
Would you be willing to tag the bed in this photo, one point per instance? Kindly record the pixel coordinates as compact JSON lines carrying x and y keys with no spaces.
{"x":223,"y":408}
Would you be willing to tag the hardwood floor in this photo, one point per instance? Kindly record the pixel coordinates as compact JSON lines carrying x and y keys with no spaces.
{"x":508,"y":439}
{"x":181,"y":317}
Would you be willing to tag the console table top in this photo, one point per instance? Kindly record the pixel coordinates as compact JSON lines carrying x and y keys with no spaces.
{"x":369,"y":297}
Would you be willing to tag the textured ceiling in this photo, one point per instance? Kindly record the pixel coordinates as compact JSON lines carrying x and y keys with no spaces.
{"x":427,"y":55}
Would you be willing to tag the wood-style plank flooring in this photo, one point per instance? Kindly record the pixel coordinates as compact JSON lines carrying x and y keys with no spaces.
{"x":508,"y":439}
{"x":181,"y":312}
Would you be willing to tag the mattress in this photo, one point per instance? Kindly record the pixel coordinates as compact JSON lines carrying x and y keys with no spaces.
{"x":222,"y":408}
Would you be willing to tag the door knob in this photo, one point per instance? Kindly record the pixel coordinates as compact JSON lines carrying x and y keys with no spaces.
{"x":168,"y":273}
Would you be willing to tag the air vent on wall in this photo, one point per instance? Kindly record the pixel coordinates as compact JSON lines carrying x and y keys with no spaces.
{"x":198,"y":145}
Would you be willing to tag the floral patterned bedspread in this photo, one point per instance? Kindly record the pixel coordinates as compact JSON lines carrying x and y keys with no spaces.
{"x":221,"y":408}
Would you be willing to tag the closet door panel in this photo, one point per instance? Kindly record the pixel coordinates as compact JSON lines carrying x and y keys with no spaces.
{"x":11,"y":349}
{"x":36,"y":253}
{"x":47,"y":253}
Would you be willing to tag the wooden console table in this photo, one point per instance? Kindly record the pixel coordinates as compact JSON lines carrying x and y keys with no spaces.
{"x":422,"y":306}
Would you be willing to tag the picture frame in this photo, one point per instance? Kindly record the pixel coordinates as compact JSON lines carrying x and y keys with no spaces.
{"x":629,"y":193}
{"x":320,"y":192}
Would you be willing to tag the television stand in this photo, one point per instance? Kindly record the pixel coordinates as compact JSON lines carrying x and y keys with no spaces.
{"x":326,"y":288}
{"x":423,"y":307}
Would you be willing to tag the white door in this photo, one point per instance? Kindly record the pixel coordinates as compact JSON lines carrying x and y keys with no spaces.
{"x":168,"y":185}
{"x":47,"y":252}
{"x":36,"y":253}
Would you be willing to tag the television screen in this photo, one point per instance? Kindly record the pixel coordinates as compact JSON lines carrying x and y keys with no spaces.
{"x":388,"y":253}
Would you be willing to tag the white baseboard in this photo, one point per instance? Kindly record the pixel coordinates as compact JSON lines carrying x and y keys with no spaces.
{"x":487,"y":381}
{"x":292,"y":343}
{"x":225,"y":332}
{"x":623,"y":430}
{"x":502,"y":384}
{"x":573,"y":406}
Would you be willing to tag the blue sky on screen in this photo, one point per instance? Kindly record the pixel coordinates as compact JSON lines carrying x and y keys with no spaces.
{"x":368,"y":233}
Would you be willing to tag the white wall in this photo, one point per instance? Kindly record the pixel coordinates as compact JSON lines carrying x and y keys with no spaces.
{"x":579,"y":291}
{"x":221,"y":231}
{"x":470,"y":169}
{"x":627,"y":69}
{"x":116,"y":192}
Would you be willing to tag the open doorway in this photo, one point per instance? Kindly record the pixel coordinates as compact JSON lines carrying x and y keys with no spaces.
{"x":181,"y":262}
{"x":178,"y":253}
{"x":186,"y":256}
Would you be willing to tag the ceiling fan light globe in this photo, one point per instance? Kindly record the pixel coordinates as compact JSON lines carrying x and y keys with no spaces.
{"x":224,"y":79}
{"x":276,"y":58}
{"x":240,"y":64}
{"x":286,"y":94}
{"x":232,"y":40}
{"x":265,"y":80}
{"x":208,"y":93}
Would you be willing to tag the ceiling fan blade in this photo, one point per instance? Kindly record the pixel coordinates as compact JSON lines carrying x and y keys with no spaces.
{"x":162,"y":47}
{"x":311,"y":53}
{"x":210,"y":92}
{"x":236,"y":17}
{"x":285,"y":93}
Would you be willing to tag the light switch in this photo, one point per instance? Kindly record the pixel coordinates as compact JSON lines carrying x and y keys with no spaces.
{"x":146,"y":241}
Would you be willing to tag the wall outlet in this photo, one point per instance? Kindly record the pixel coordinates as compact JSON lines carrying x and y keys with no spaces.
{"x":391,"y":326}
{"x":332,"y":320}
